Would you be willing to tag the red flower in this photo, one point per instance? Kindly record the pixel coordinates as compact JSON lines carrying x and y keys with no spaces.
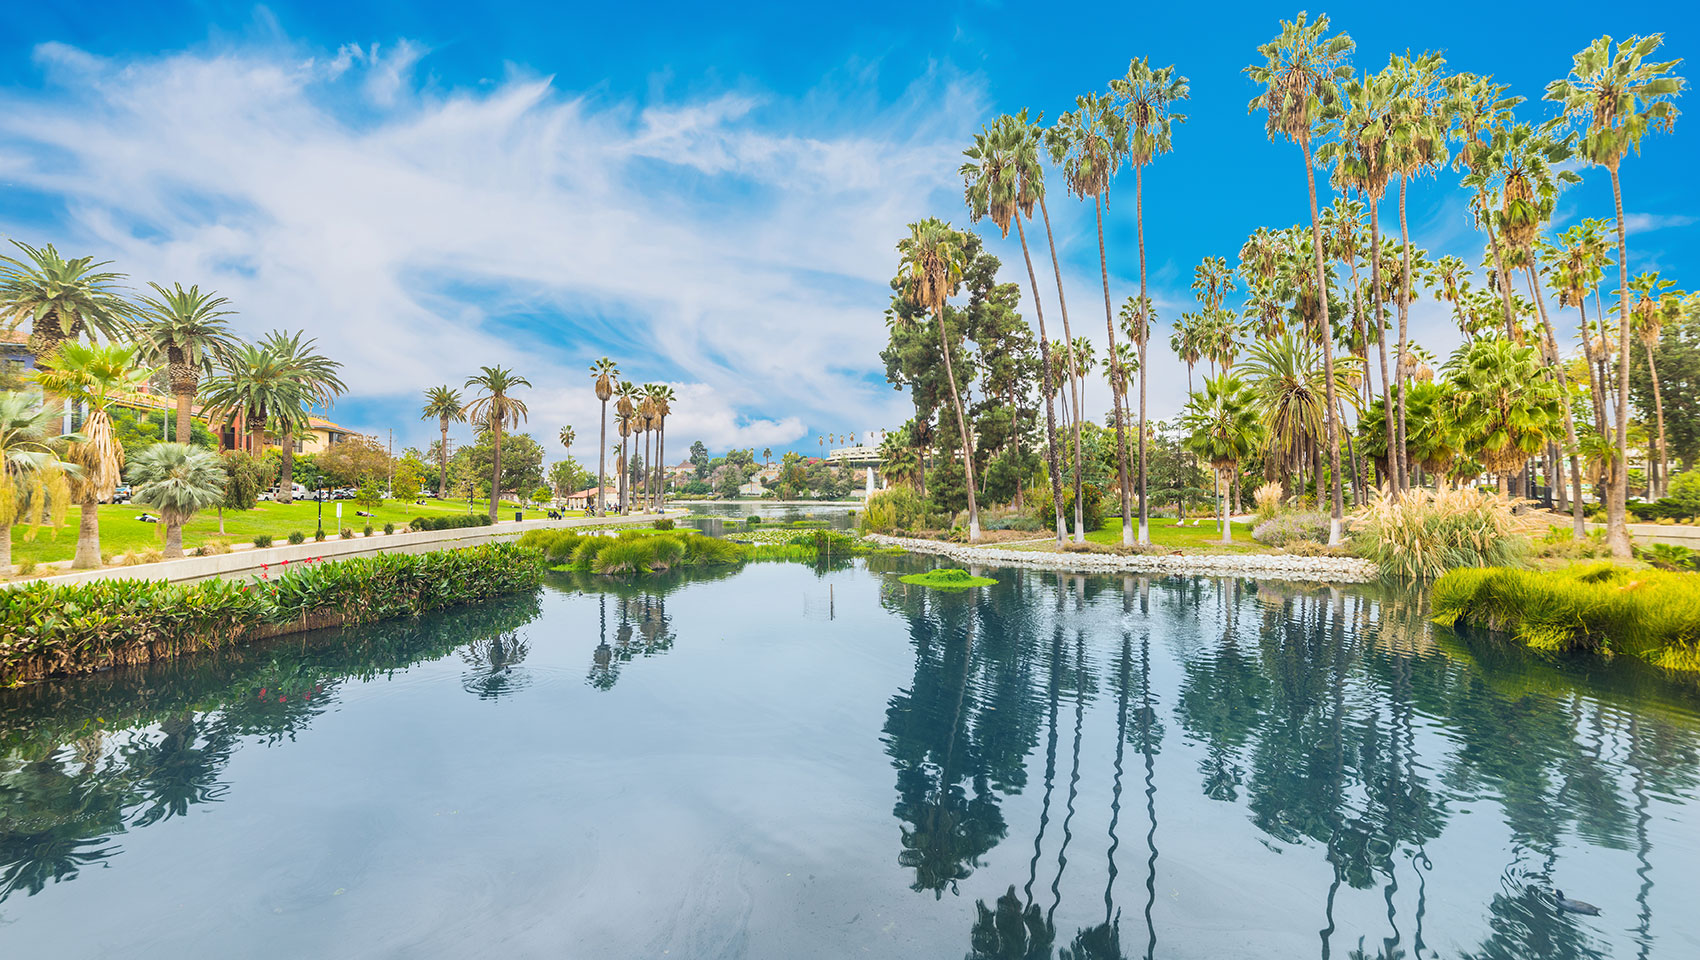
{"x":282,"y":699}
{"x":262,"y":691}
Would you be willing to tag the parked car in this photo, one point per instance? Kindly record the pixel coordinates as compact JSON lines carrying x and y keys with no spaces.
{"x":120,"y":494}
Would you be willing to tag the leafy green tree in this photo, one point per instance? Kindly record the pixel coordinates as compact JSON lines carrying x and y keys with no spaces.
{"x":522,"y":461}
{"x":410,"y":476}
{"x":699,"y":459}
{"x":253,"y":387}
{"x":34,"y":482}
{"x":1223,"y":428}
{"x":1503,"y":404}
{"x":177,"y":480}
{"x":370,"y":495}
{"x":1676,"y":352}
{"x":352,"y":461}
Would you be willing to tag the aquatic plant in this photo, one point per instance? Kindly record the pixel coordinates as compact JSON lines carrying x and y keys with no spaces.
{"x":947,"y":578}
{"x":1597,"y":608}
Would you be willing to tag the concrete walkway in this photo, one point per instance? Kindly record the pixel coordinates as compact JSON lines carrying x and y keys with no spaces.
{"x":244,"y":563}
{"x":1682,"y":535}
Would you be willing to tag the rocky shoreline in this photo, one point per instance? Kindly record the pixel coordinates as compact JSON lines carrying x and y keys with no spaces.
{"x":1261,"y":566}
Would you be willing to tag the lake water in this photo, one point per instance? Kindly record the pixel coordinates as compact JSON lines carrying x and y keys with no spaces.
{"x":789,"y":762}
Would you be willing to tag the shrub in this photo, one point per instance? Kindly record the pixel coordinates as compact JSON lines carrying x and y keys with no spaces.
{"x":451,"y":521}
{"x":215,"y":547}
{"x":389,"y":528}
{"x":1668,"y":556}
{"x":368,"y":531}
{"x":665,"y":523}
{"x":557,"y":546}
{"x":1597,"y":607}
{"x":947,"y":578}
{"x":1268,"y":500}
{"x":1307,"y":548}
{"x":263,"y":540}
{"x":25,"y":567}
{"x":752,"y":521}
{"x":1424,"y":534}
{"x":319,"y":536}
{"x":1561,"y":542}
{"x":296,"y":536}
{"x":1291,"y":526}
{"x":1092,"y":506}
{"x":153,"y":555}
{"x":1684,"y":492}
{"x":348,"y":533}
{"x":895,"y":508}
{"x":640,"y":554}
{"x":126,"y":621}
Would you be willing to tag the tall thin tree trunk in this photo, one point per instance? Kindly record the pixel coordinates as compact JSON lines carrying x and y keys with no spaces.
{"x":962,"y":428}
{"x":88,"y":536}
{"x":286,"y":466}
{"x":1659,"y":411}
{"x":1395,"y":462}
{"x":183,"y":425}
{"x":1143,"y":340}
{"x":602,"y":463}
{"x":1617,"y":502}
{"x":1401,"y":379}
{"x":495,"y":466}
{"x":443,"y":460}
{"x":1578,"y":521}
{"x":1336,"y":520}
{"x":5,"y":550}
{"x":173,"y":539}
{"x":1073,"y":374}
{"x":1504,"y":283}
{"x":1117,"y":390}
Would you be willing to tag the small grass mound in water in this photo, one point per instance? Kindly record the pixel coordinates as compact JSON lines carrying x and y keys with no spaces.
{"x":947,"y":578}
{"x":1594,"y":608}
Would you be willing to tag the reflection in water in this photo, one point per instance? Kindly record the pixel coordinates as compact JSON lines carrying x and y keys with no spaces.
{"x":68,"y":787}
{"x":1060,"y":761}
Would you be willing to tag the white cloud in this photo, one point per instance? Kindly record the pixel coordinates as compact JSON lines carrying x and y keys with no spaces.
{"x":419,"y":235}
{"x":1634,"y":223}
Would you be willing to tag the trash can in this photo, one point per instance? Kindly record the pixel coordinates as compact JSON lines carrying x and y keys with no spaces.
{"x":518,"y":516}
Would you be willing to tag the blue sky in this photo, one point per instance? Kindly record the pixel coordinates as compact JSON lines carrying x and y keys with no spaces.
{"x":710,"y":194}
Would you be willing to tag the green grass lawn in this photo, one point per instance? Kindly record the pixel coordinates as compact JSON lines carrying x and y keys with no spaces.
{"x":121,"y":532}
{"x":1204,"y":538}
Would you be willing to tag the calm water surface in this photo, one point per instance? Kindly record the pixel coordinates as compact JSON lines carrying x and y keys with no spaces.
{"x":788,"y":762}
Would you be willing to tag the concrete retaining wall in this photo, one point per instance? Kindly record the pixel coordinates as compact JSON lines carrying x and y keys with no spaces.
{"x":1258,"y":566}
{"x":243,"y":563}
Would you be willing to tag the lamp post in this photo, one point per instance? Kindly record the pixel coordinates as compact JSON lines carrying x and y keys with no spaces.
{"x":319,"y":497}
{"x":469,"y":496}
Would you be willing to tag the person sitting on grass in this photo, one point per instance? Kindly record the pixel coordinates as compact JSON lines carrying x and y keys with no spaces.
{"x":147,"y":518}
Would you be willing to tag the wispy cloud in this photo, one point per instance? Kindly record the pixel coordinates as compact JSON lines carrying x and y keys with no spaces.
{"x":714,"y":242}
{"x":1648,"y":222}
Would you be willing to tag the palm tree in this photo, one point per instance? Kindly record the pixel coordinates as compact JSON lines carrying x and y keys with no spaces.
{"x":664,"y":397}
{"x":1619,"y":96}
{"x":444,"y":403}
{"x":1655,"y":305}
{"x":1502,"y":403}
{"x":1187,"y":342}
{"x":34,"y":482}
{"x":605,"y":374}
{"x":63,"y":299}
{"x":650,"y":422}
{"x":625,"y":416}
{"x":1301,"y":74}
{"x":177,"y":480}
{"x":1286,"y":375}
{"x":1096,"y":140}
{"x":253,"y":388}
{"x":932,"y":258}
{"x":184,"y":330}
{"x":494,"y":409}
{"x":1223,"y":428}
{"x":93,"y":376}
{"x":1148,"y":97}
{"x":316,"y":385}
{"x":1002,"y":178}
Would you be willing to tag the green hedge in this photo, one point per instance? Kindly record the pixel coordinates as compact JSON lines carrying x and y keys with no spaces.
{"x":74,"y":628}
{"x":453,"y":521}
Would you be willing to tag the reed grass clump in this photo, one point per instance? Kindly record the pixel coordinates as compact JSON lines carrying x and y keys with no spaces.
{"x":1268,"y":500}
{"x":1426,"y":533}
{"x":1599,"y":608}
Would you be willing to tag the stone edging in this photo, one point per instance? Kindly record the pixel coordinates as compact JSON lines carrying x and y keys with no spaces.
{"x":1262,"y":566}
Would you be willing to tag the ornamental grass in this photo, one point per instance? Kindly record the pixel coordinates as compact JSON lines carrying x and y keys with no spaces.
{"x":1598,"y":608}
{"x":1426,"y":533}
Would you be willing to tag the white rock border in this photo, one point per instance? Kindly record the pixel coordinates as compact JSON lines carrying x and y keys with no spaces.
{"x":1262,"y":566}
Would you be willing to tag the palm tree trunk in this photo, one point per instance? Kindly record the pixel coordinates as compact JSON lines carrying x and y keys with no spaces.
{"x":1073,"y":373}
{"x":1395,"y":462}
{"x":183,"y":425}
{"x":1336,"y":519}
{"x":1144,"y":339}
{"x":221,"y":519}
{"x":962,"y":428}
{"x":1222,"y":506}
{"x":495,"y":466}
{"x":88,"y":536}
{"x":1659,"y":411}
{"x":173,"y":538}
{"x":443,"y":460}
{"x":5,"y":550}
{"x":1596,"y":390}
{"x":1117,"y":390}
{"x":660,"y":462}
{"x":602,"y":463}
{"x":1504,"y":284}
{"x":1617,"y":482}
{"x":286,"y":466}
{"x":1578,"y":521}
{"x":1400,"y":379}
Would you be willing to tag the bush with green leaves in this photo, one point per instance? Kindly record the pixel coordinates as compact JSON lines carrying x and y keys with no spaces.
{"x":389,"y":528}
{"x":263,"y":540}
{"x":296,"y":536}
{"x":319,"y":535}
{"x":348,"y":533}
{"x":133,"y":621}
{"x":896,"y":508}
{"x":452,"y":521}
{"x":367,"y":531}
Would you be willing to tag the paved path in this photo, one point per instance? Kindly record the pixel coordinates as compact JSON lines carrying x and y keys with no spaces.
{"x":1682,"y":535}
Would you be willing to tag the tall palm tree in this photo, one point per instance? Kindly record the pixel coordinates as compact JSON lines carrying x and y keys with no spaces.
{"x":1222,"y":427}
{"x":444,"y":403}
{"x":625,"y":416}
{"x":649,"y":421}
{"x":1618,"y":96}
{"x":1503,"y":403}
{"x":494,"y":409}
{"x":62,"y":299}
{"x":1187,"y":341}
{"x":252,"y":388}
{"x":1002,"y":178}
{"x":932,"y":258}
{"x":1096,"y":138}
{"x":34,"y":482}
{"x":1033,"y":186}
{"x":316,"y":385}
{"x":185,"y":331}
{"x":663,"y":397}
{"x":177,"y":480}
{"x":1655,"y":305}
{"x":1301,"y":72}
{"x":1148,"y":97}
{"x":93,"y":376}
{"x":604,"y":374}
